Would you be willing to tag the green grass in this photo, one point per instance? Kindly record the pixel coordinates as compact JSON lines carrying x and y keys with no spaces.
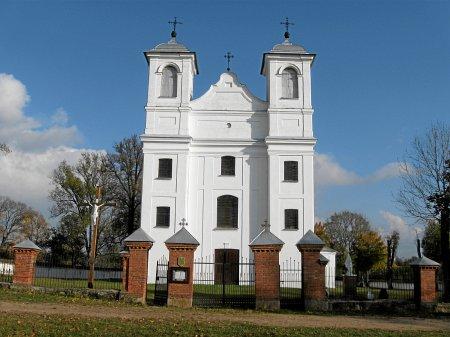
{"x":42,"y":325}
{"x":75,"y":283}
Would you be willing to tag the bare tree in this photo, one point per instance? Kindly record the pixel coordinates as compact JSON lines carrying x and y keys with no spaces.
{"x":11,"y":219}
{"x":423,"y":181}
{"x":392,"y":241}
{"x":4,"y":148}
{"x":35,"y":227}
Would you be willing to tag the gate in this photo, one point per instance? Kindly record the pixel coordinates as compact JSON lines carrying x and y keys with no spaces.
{"x":161,"y":290}
{"x":223,"y":283}
{"x":290,"y":284}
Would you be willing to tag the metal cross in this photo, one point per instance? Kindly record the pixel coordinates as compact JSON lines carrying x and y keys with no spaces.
{"x":228,"y":56}
{"x":266,"y":225}
{"x":175,"y":23}
{"x":286,"y":23}
{"x":183,"y":222}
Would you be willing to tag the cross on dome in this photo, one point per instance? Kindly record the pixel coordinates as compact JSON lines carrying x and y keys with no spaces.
{"x":174,"y":23}
{"x":286,"y":23}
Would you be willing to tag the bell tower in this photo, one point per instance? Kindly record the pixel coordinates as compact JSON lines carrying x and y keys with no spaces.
{"x":290,"y":142}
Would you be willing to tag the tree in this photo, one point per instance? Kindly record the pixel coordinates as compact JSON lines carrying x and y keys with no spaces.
{"x":11,"y":219}
{"x":369,"y":250}
{"x":125,"y":167}
{"x":35,"y":227}
{"x":425,"y":192}
{"x":392,"y":241}
{"x":4,"y":148}
{"x":74,"y":188}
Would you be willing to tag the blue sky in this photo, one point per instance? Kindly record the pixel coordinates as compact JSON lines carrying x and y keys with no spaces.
{"x":381,"y":76}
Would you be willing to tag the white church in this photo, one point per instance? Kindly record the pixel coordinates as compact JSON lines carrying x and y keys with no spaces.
{"x":228,"y":160}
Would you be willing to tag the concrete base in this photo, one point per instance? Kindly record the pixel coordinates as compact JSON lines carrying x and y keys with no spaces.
{"x":265,"y":304}
{"x":316,"y":305}
{"x":179,"y":302}
{"x":350,"y":283}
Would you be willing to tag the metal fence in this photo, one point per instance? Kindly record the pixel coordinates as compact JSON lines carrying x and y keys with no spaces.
{"x":290,"y":284}
{"x":376,"y":284}
{"x":6,"y":269}
{"x":161,"y":286}
{"x":53,"y":273}
{"x":224,"y":284}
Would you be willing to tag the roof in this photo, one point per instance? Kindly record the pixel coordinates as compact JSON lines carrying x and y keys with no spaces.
{"x":27,"y":244}
{"x":266,"y":237}
{"x":183,"y":237}
{"x":328,"y":250}
{"x":288,"y":47}
{"x":172,"y":46}
{"x":310,"y":239}
{"x":323,"y":258}
{"x":423,"y":261}
{"x":139,"y":235}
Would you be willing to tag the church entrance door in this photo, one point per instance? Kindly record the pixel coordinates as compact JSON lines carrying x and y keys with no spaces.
{"x":226,"y":267}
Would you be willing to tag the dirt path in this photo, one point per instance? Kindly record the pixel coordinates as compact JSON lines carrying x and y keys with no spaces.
{"x":252,"y":317}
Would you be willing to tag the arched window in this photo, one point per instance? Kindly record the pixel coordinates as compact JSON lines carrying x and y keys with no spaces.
{"x":227,"y":211}
{"x":227,"y":165}
{"x":289,"y":83}
{"x":169,"y":82}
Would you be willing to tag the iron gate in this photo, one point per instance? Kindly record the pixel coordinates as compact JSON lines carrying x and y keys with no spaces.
{"x":223,"y":283}
{"x":162,"y":266}
{"x":290,"y":284}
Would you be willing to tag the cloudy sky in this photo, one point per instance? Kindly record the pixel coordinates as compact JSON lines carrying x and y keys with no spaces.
{"x":73,"y":78}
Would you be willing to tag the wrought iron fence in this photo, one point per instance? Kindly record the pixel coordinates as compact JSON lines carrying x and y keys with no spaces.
{"x":6,"y":270}
{"x":290,"y":284}
{"x":161,"y":286}
{"x":51,"y":272}
{"x":375,"y":284}
{"x":224,"y":284}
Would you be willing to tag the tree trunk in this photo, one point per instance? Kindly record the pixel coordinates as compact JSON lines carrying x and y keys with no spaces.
{"x":445,"y":254}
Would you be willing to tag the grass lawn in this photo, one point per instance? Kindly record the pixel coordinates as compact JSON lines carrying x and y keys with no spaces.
{"x":75,"y":283}
{"x":42,"y":325}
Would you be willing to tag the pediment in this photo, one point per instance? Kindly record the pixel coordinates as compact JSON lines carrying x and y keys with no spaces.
{"x":228,"y":94}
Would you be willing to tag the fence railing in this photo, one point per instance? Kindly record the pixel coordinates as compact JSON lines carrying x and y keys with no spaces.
{"x":224,"y":284}
{"x":377,"y":284}
{"x":55,"y":274}
{"x":290,"y":284}
{"x":6,"y":270}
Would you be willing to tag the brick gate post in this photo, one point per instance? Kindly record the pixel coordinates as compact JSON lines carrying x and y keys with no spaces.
{"x":125,"y":254}
{"x":313,"y":271}
{"x":425,"y":292}
{"x":138,"y":244}
{"x":266,"y":251}
{"x":180,"y":274}
{"x":25,"y":254}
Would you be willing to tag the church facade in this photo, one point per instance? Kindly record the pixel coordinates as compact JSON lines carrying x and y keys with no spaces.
{"x":228,"y":161}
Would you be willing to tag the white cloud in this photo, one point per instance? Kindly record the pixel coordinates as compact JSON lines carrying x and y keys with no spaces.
{"x":25,"y":133}
{"x":36,"y":150}
{"x":328,"y":172}
{"x":407,"y":232}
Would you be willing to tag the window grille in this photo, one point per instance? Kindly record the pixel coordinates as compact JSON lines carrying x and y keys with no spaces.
{"x":289,"y":85}
{"x":227,"y":167}
{"x":227,"y":211}
{"x":290,"y":171}
{"x":291,"y":219}
{"x":163,"y":216}
{"x":165,"y":168}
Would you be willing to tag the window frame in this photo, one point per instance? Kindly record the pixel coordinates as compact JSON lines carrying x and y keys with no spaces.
{"x":234,"y":209}
{"x":166,"y":216}
{"x":294,"y":213}
{"x":286,"y":170}
{"x":169,"y":176}
{"x":222,"y":168}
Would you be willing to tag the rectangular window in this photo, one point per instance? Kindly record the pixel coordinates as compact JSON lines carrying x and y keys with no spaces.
{"x":291,"y":218}
{"x":165,"y":168}
{"x":291,"y":171}
{"x":227,"y":166}
{"x":163,"y":216}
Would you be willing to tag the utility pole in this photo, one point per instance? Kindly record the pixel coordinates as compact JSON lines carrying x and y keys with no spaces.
{"x":95,"y":218}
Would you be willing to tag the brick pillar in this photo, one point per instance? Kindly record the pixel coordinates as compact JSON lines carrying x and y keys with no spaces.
{"x":425,"y":292}
{"x":125,"y":262}
{"x":25,"y":254}
{"x":180,"y":275}
{"x":266,"y":252}
{"x":138,"y":244}
{"x":313,"y":272}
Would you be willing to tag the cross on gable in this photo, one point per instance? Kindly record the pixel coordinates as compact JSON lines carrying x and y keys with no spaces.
{"x":183,"y":223}
{"x":266,"y":226}
{"x":286,"y":23}
{"x":228,"y":56}
{"x":175,"y":23}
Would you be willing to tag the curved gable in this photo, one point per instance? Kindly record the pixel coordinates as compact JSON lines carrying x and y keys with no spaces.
{"x":228,"y":94}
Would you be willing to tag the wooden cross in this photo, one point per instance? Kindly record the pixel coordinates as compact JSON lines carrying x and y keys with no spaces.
{"x":228,"y":56}
{"x":175,"y":23}
{"x":286,"y":23}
